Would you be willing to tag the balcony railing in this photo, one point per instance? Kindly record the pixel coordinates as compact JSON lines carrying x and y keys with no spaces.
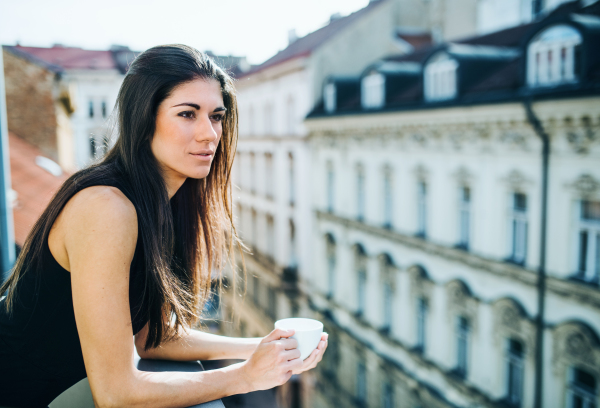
{"x":80,"y":395}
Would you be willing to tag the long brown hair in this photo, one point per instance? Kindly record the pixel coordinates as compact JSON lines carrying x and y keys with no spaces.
{"x":184,"y":239}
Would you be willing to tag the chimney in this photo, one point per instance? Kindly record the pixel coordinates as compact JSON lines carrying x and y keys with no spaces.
{"x":292,"y":36}
{"x":334,"y":17}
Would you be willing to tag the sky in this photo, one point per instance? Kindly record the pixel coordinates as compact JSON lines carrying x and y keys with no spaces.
{"x":256,"y":29}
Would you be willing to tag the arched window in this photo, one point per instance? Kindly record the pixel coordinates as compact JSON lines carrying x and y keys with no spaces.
{"x":373,"y":91}
{"x":360,"y":265}
{"x":552,"y":56}
{"x":440,"y":78}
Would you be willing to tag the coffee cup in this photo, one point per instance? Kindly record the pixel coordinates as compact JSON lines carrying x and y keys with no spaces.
{"x":307,"y":333}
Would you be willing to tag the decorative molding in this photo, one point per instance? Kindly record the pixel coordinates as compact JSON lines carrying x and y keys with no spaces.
{"x":463,"y":176}
{"x":517,"y":181}
{"x":586,"y":186}
{"x":421,"y":172}
{"x":567,"y":289}
{"x":575,"y":344}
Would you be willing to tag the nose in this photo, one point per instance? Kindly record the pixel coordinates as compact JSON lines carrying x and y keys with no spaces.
{"x":206,"y":131}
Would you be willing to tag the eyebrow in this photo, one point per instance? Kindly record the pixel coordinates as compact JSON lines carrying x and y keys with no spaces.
{"x":197,"y":107}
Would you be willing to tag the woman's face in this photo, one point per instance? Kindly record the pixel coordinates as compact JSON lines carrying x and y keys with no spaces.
{"x":189,"y":124}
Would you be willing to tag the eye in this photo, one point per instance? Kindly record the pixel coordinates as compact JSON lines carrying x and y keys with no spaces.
{"x":187,"y":114}
{"x":218,"y":118}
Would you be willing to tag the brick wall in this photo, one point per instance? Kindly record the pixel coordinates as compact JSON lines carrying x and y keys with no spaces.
{"x":30,"y":105}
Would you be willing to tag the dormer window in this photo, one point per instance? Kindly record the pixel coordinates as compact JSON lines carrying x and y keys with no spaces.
{"x":372,"y":91}
{"x":552,"y":57}
{"x":330,"y":98}
{"x":440,"y":78}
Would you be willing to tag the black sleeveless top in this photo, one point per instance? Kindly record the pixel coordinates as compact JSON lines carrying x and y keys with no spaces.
{"x":40,"y":353}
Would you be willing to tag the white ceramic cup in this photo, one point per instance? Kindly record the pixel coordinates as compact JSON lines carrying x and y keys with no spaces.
{"x":308,"y":333}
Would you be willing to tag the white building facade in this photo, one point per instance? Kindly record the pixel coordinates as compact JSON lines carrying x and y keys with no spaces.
{"x":427,"y":229}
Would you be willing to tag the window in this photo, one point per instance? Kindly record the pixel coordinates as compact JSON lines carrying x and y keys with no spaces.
{"x":421,"y":324}
{"x":514,"y":372}
{"x":373,"y":91}
{"x":92,"y":147}
{"x":270,"y":236}
{"x":465,"y":217}
{"x":388,"y":300}
{"x":293,"y":250}
{"x":256,"y":290}
{"x":422,"y":209}
{"x":440,"y":78}
{"x":588,"y":259}
{"x":91,"y":109}
{"x":387,"y":395}
{"x":292,"y":179}
{"x":361,"y":382}
{"x":269,"y":175}
{"x":252,"y":173}
{"x":360,"y":193}
{"x":331,"y":263}
{"x":387,"y":200}
{"x":553,"y":57}
{"x":291,"y":116}
{"x":272,"y":295}
{"x":330,"y":187}
{"x":329,"y":95}
{"x":518,"y":226}
{"x":103,"y":109}
{"x":105,"y":145}
{"x":251,"y":128}
{"x":254,"y":228}
{"x":583,"y":390}
{"x":462,"y":345}
{"x":362,"y":291}
{"x":268,"y":123}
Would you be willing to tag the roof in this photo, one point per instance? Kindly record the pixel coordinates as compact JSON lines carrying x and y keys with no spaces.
{"x":306,"y":45}
{"x":34,"y":185}
{"x":59,"y":58}
{"x":491,"y":67}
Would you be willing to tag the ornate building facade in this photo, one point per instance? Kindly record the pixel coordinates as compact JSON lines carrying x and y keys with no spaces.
{"x":427,"y":239}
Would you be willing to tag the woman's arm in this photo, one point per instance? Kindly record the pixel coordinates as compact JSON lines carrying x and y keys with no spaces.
{"x":100,"y":234}
{"x":198,"y":345}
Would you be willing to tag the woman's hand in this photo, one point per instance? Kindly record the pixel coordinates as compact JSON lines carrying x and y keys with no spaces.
{"x":273,"y":361}
{"x":315,"y":357}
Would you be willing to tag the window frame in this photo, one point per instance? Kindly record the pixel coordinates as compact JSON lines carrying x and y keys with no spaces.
{"x":441,"y":78}
{"x":543,"y":69}
{"x":587,"y":269}
{"x":372,"y":87}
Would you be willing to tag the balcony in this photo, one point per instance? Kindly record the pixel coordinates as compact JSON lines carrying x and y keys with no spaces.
{"x":80,"y":395}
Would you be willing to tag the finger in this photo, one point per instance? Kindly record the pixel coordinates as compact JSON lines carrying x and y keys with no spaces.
{"x":277,"y":334}
{"x":291,"y":354}
{"x":290,"y":344}
{"x":325,"y":336}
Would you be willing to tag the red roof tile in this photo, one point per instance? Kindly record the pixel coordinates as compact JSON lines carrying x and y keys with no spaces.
{"x":72,"y":58}
{"x":34,"y":185}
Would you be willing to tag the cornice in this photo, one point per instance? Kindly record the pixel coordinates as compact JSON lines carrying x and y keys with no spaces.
{"x":573,"y":290}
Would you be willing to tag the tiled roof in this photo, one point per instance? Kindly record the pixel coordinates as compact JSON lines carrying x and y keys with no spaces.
{"x":72,"y":58}
{"x":59,"y":58}
{"x":306,"y":45}
{"x":34,"y":185}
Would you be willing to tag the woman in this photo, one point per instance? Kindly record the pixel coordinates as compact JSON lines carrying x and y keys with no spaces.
{"x":126,"y":248}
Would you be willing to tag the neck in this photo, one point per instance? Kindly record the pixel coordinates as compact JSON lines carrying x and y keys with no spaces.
{"x":173,"y":185}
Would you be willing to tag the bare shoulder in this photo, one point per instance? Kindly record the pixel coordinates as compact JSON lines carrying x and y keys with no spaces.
{"x":105,"y":204}
{"x":100,"y":215}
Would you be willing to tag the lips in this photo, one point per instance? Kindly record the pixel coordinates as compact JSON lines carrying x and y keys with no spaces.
{"x":203,"y":153}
